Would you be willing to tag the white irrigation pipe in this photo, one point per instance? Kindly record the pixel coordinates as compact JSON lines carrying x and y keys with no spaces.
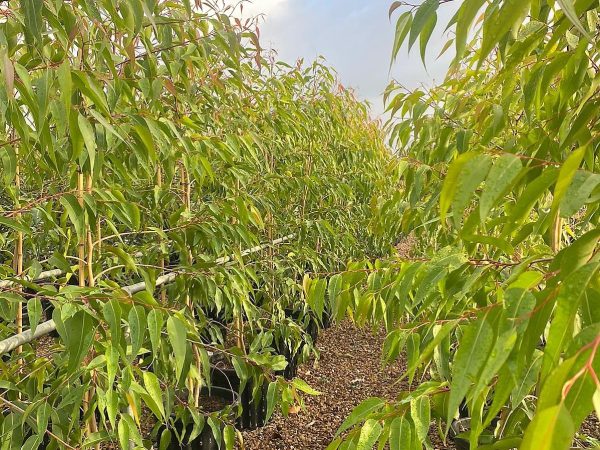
{"x":58,"y":272}
{"x":42,"y":276}
{"x":44,"y":328}
{"x":47,"y":275}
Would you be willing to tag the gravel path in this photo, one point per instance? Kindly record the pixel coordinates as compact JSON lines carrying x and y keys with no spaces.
{"x":348,"y":371}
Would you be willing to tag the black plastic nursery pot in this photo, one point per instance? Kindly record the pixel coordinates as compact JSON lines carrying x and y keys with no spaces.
{"x":311,"y":327}
{"x":291,"y":370}
{"x":327,"y":320}
{"x":459,"y":433}
{"x":15,"y":433}
{"x":206,"y":440}
{"x":254,"y":411}
{"x":217,"y":323}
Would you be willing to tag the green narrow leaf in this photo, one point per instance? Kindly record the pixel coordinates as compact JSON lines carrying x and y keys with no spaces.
{"x":500,"y":243}
{"x":125,"y":258}
{"x":75,"y":213}
{"x":271,"y":399}
{"x":229,"y":437}
{"x":32,"y":14}
{"x":66,"y":85}
{"x":152,"y":385}
{"x":89,"y":138}
{"x":422,"y":16}
{"x":403,"y":26}
{"x":8,"y":156}
{"x":426,"y":35}
{"x":567,"y":172}
{"x":42,"y":416}
{"x":137,"y":328}
{"x":500,"y":22}
{"x":123,"y":433}
{"x":472,"y":173}
{"x":401,"y":436}
{"x":550,"y":429}
{"x":112,"y":363}
{"x":473,"y":351}
{"x":568,"y":7}
{"x":15,"y":225}
{"x":112,"y":314}
{"x":177,"y":332}
{"x":529,"y":196}
{"x":451,"y":182}
{"x":155,"y":325}
{"x":78,"y":335}
{"x":165,"y":439}
{"x":34,"y":312}
{"x":360,"y":412}
{"x":578,"y":193}
{"x":304,"y":387}
{"x":502,"y":175}
{"x":466,"y":14}
{"x":420,"y":413}
{"x":334,"y":289}
{"x":369,"y":433}
{"x":112,"y":407}
{"x":567,"y":303}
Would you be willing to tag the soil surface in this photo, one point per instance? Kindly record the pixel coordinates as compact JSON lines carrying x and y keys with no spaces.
{"x":348,"y":371}
{"x":210,"y":404}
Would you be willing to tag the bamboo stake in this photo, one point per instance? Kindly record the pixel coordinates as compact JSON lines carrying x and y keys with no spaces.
{"x":194,"y":387}
{"x":18,"y":256}
{"x":90,"y":241}
{"x":556,"y":233}
{"x":159,"y":184}
{"x":238,"y":320}
{"x":80,"y":239}
{"x":92,"y":424}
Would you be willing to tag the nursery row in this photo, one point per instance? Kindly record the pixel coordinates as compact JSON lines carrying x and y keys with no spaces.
{"x":495,"y":299}
{"x":140,"y":142}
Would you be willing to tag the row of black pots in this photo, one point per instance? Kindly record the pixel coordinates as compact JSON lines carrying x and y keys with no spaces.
{"x":254,"y":409}
{"x":225,"y":384}
{"x":206,"y":440}
{"x":461,"y":428}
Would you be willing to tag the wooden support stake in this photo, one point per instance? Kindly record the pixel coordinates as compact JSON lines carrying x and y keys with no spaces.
{"x":556,"y":233}
{"x":90,"y":241}
{"x":80,"y":239}
{"x":159,"y":183}
{"x":18,"y":256}
{"x":195,"y":387}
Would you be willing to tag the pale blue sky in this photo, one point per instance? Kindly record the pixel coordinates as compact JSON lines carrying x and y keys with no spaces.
{"x":355,"y":36}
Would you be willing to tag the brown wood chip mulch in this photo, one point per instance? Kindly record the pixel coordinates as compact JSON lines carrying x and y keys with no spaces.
{"x":348,"y":371}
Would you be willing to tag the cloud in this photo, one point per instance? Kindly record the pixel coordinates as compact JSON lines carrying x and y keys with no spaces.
{"x":355,"y":37}
{"x":268,"y":7}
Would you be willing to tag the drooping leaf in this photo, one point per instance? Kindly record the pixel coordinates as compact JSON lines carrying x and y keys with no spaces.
{"x":177,"y":332}
{"x":502,"y":175}
{"x":360,"y":412}
{"x":78,"y":335}
{"x":551,"y":429}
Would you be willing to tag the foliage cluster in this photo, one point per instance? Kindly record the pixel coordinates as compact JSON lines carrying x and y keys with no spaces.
{"x":496,"y":299}
{"x":140,"y":139}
